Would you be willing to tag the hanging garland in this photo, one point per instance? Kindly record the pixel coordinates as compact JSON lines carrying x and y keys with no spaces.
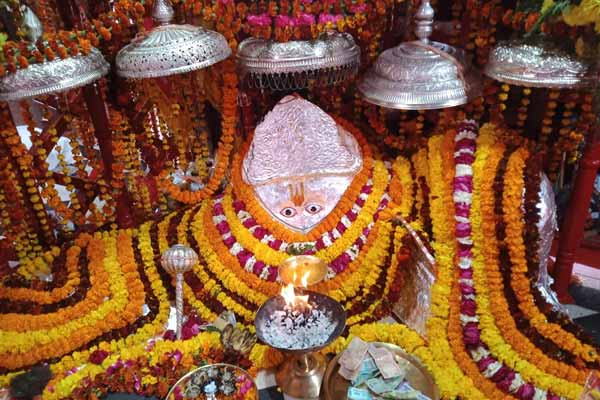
{"x":229,"y":123}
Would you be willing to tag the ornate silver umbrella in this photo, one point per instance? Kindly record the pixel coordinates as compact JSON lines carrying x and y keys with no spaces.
{"x":54,"y":76}
{"x":329,"y":60}
{"x":537,"y":63}
{"x":170,"y":49}
{"x":421,"y":74}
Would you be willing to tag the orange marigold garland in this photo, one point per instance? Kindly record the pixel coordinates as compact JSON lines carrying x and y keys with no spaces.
{"x":229,"y":122}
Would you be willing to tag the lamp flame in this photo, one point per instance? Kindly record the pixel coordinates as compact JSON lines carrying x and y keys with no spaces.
{"x":289,"y":294}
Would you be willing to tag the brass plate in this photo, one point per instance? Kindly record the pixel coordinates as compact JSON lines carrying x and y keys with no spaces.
{"x":299,"y":265}
{"x":182,"y":382}
{"x":336,"y":387}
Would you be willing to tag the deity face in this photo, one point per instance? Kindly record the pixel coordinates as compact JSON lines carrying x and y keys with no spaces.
{"x":300,"y":163}
{"x":301,"y":204}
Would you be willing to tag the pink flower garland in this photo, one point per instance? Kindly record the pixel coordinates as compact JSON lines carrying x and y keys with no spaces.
{"x":505,"y":378}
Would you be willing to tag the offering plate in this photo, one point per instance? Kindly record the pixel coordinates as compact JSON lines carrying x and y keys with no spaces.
{"x":197,"y":374}
{"x":301,"y":375}
{"x":336,"y":387}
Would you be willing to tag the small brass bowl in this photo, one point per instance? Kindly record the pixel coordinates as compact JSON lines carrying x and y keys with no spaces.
{"x":294,"y":268}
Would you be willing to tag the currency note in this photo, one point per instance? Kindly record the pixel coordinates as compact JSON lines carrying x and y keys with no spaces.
{"x":354,"y":354}
{"x":380,"y":385}
{"x":355,"y":393}
{"x":384,"y":360}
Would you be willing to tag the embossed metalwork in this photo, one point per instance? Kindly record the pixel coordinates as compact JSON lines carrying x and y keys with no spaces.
{"x":300,"y":163}
{"x":162,"y":11}
{"x":53,"y":76}
{"x":330,"y":59}
{"x":422,"y":74}
{"x":298,"y":139}
{"x":170,"y":49}
{"x":177,"y":260}
{"x":538,"y":63}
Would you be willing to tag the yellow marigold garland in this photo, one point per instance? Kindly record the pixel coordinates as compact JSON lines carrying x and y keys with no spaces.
{"x":512,"y":201}
{"x":453,"y":382}
{"x":328,"y":254}
{"x":229,"y":121}
{"x":490,"y":333}
{"x":401,"y":186}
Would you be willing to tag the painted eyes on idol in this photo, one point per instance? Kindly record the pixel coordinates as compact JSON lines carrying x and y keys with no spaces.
{"x":313,"y":208}
{"x":290,"y":212}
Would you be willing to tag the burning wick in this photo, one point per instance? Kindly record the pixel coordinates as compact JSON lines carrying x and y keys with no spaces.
{"x":299,"y":324}
{"x":292,"y":301}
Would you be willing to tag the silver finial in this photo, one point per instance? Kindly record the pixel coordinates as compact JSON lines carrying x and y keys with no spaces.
{"x":424,"y":18}
{"x":31,"y":24}
{"x":162,"y":11}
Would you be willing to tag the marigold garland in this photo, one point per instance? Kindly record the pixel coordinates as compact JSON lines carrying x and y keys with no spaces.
{"x":499,"y":308}
{"x":512,"y":202}
{"x":229,"y":123}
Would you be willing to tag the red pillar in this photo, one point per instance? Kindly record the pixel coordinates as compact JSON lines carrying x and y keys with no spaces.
{"x":572,"y":229}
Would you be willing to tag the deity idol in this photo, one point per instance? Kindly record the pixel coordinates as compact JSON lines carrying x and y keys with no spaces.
{"x":308,"y":183}
{"x":304,"y":183}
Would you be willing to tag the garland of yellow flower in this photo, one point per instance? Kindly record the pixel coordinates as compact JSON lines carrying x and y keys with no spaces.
{"x":271,"y":288}
{"x":499,"y":309}
{"x":79,"y":358}
{"x":273,"y":257}
{"x":229,"y":121}
{"x":56,"y":294}
{"x":520,"y":283}
{"x":419,"y":162}
{"x":245,"y":193}
{"x":401,"y":186}
{"x":18,"y":322}
{"x":454,"y":382}
{"x":126,"y":301}
{"x":490,"y":334}
{"x":226,"y":268}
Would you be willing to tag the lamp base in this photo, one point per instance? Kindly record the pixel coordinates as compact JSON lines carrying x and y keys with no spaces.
{"x":301,"y":375}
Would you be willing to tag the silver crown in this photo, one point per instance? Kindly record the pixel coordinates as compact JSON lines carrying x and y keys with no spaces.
{"x":537,"y":63}
{"x":170,"y":49}
{"x":53,"y":76}
{"x":330,"y":59}
{"x":422,"y":74}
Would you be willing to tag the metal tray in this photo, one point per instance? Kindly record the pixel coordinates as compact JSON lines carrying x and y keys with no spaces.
{"x":336,"y":387}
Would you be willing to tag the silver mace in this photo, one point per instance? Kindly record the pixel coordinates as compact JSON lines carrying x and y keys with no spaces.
{"x":177,"y":260}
